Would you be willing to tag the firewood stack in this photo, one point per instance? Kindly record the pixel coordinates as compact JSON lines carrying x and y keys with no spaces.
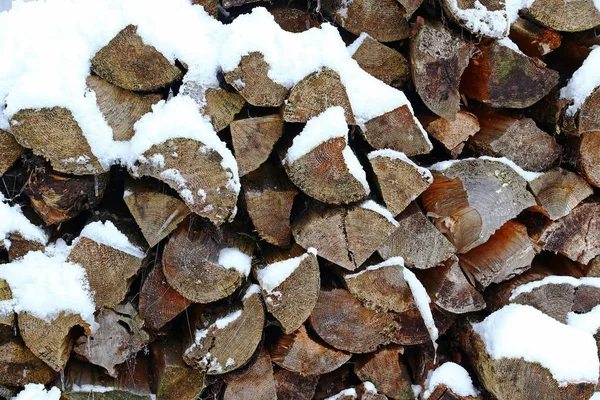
{"x":411,"y":217}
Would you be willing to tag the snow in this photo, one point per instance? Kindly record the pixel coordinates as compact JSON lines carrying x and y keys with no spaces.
{"x":422,"y":300}
{"x":273,"y":275}
{"x":106,"y":233}
{"x":506,"y":42}
{"x":44,"y":284}
{"x":596,"y":396}
{"x":252,"y":289}
{"x":371,"y":205}
{"x":392,"y":261}
{"x":481,"y":20}
{"x":528,"y":287}
{"x":12,"y":220}
{"x":397,"y":155}
{"x":226,"y":320}
{"x":92,"y":388}
{"x":584,"y":81}
{"x":454,"y":377}
{"x":588,"y":322}
{"x":416,"y":389}
{"x":47,"y":48}
{"x":234,"y":258}
{"x":521,"y":331}
{"x":345,"y":392}
{"x":330,"y":124}
{"x":37,"y":391}
{"x":527,"y":175}
{"x":369,"y":387}
{"x":513,"y":7}
{"x":352,"y":48}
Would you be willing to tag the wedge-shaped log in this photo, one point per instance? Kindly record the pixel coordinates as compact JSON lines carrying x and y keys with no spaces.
{"x":257,"y":382}
{"x":437,"y":61}
{"x":19,"y":366}
{"x":197,"y":174}
{"x":250,"y":78}
{"x":554,"y":299}
{"x":10,"y":150}
{"x":293,"y":386}
{"x":290,"y":284}
{"x":306,"y":354}
{"x":400,"y":180}
{"x":501,"y":77}
{"x":487,"y":19}
{"x":516,"y":138}
{"x":588,"y":159}
{"x":559,"y":191}
{"x":222,"y":106}
{"x":385,"y":368}
{"x":316,"y":93}
{"x":344,"y":236}
{"x":508,"y":252}
{"x":384,"y":20}
{"x":452,"y":134}
{"x":417,"y":241}
{"x":7,"y":319}
{"x":294,"y":19}
{"x":118,"y":338}
{"x":126,"y":61}
{"x":205,"y":264}
{"x":470,"y":199}
{"x":253,"y":140}
{"x":532,"y":39}
{"x":159,"y":302}
{"x":381,"y":61}
{"x":228,"y":342}
{"x":560,"y":16}
{"x":156,"y":212}
{"x":269,"y":197}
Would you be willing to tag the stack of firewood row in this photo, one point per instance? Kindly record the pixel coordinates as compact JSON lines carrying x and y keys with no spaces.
{"x":353,"y":264}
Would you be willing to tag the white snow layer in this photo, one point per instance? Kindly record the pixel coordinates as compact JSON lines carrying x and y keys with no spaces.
{"x":596,"y":396}
{"x":357,"y":43}
{"x":397,"y":155}
{"x":454,"y":377}
{"x":527,"y":175}
{"x":47,"y":47}
{"x":422,"y":300}
{"x":273,"y":275}
{"x":12,"y":220}
{"x":584,"y":81}
{"x":588,"y":322}
{"x":379,"y":209}
{"x":528,"y":287}
{"x":44,"y":284}
{"x":346,"y":392}
{"x":392,"y":261}
{"x":252,"y":289}
{"x":496,"y":23}
{"x":37,"y":391}
{"x":506,"y":42}
{"x":330,"y":124}
{"x":106,"y":233}
{"x":520,"y":331}
{"x":234,"y":258}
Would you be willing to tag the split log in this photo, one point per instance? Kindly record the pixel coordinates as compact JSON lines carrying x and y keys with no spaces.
{"x":159,"y":302}
{"x":586,"y":298}
{"x":156,"y":212}
{"x":121,"y":108}
{"x":7,"y":319}
{"x":471,"y":199}
{"x":255,"y":383}
{"x":316,"y":93}
{"x":516,"y":138}
{"x":367,"y":391}
{"x":210,"y":6}
{"x":222,"y":106}
{"x":508,"y":252}
{"x":532,"y":39}
{"x":387,"y":371}
{"x":19,"y":246}
{"x":10,"y":150}
{"x":486,"y":19}
{"x":559,"y":191}
{"x":452,"y":134}
{"x":587,"y":119}
{"x":250,"y":79}
{"x":438,"y":59}
{"x":205,"y":264}
{"x":502,"y":77}
{"x":384,"y":63}
{"x":303,"y":353}
{"x":335,"y":381}
{"x":109,"y":270}
{"x":399,"y":179}
{"x":197,"y":174}
{"x":558,"y":15}
{"x":118,"y":338}
{"x":397,"y":130}
{"x":449,"y":288}
{"x":174,"y":379}
{"x":57,"y":198}
{"x":384,"y":20}
{"x":269,"y":197}
{"x":54,"y":134}
{"x":293,"y":386}
{"x":588,"y":159}
{"x":410,"y":6}
{"x":229,"y":342}
{"x":253,"y":140}
{"x":417,"y":241}
{"x":236,"y":3}
{"x":130,"y":64}
{"x":575,"y":235}
{"x":553,"y":299}
{"x":290,"y":284}
{"x":293,"y":19}
{"x":344,"y":323}
{"x":346,"y":237}
{"x":19,"y":366}
{"x":51,"y":341}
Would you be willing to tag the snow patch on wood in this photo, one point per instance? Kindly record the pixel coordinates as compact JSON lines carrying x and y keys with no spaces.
{"x":234,"y":258}
{"x":37,"y":391}
{"x":106,"y":233}
{"x":398,"y":155}
{"x":379,"y":209}
{"x":12,"y":220}
{"x":584,"y":81}
{"x":454,"y":377}
{"x":556,"y":280}
{"x":276,"y":273}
